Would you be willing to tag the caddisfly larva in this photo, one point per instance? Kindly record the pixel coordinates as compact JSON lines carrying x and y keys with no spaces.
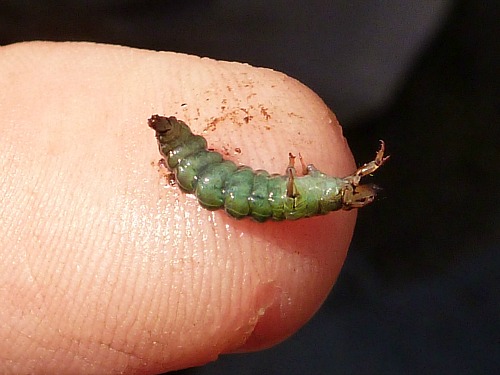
{"x":242,"y":191}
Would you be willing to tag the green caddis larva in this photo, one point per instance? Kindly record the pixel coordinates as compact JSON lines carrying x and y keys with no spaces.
{"x":242,"y":191}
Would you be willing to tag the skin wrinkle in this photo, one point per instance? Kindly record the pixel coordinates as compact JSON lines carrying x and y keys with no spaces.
{"x":261,"y":304}
{"x":234,"y":288}
{"x":23,"y":261}
{"x":77,"y":346}
{"x":130,"y":342}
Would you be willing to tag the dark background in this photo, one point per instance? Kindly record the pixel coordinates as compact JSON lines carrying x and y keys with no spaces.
{"x":419,"y":292}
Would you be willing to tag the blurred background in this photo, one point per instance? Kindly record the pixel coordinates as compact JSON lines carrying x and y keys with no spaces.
{"x":419,"y":292}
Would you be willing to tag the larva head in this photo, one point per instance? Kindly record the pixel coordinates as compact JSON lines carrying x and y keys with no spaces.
{"x":358,"y":196}
{"x":166,"y":127}
{"x":170,"y":132}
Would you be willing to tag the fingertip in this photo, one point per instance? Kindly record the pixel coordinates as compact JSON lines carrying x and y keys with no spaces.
{"x":300,"y":264}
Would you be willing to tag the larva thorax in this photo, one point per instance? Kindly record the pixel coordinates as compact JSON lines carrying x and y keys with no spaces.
{"x":317,"y":193}
{"x":241,"y":191}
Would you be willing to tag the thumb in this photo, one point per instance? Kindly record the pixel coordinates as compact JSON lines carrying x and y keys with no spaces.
{"x":104,"y":267}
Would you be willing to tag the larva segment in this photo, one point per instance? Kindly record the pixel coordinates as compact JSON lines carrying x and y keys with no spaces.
{"x":193,"y":145}
{"x":259,"y":204}
{"x":237,"y":190}
{"x":190,"y":168}
{"x":276,"y":195}
{"x":241,"y":191}
{"x":210,"y":184}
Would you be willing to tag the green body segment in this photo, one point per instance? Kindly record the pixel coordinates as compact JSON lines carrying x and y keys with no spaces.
{"x":276,"y":195}
{"x":188,"y":169}
{"x":318,"y":194}
{"x":237,"y":189}
{"x":197,"y":144}
{"x":241,"y":191}
{"x":260,"y":207}
{"x":210,"y":184}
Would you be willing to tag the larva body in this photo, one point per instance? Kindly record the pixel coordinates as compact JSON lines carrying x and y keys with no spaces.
{"x":242,"y":191}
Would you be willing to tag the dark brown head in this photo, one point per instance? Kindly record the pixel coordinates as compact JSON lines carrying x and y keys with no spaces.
{"x":162,"y":124}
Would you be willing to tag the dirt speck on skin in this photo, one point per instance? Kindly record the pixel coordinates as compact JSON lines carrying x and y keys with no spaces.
{"x":165,"y":175}
{"x":171,"y":179}
{"x":265,"y":112}
{"x":240,"y":116}
{"x":293,"y":114}
{"x":212,"y":124}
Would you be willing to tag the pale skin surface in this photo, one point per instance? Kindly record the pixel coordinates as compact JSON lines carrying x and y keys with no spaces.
{"x":103,"y":268}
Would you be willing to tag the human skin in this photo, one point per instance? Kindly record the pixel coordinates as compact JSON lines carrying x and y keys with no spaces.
{"x":105,"y":267}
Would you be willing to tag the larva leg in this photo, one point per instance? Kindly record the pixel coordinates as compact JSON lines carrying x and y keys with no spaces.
{"x":168,"y":175}
{"x":162,"y":164}
{"x":355,"y":195}
{"x":291,"y":189}
{"x":369,"y":167}
{"x":303,"y":164}
{"x":307,"y":168}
